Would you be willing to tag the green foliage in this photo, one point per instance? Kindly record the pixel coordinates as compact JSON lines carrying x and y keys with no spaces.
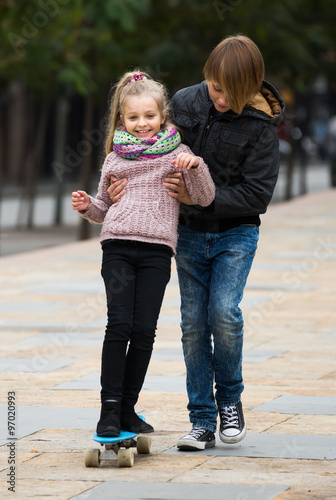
{"x":72,"y":44}
{"x":85,"y":45}
{"x":293,"y":35}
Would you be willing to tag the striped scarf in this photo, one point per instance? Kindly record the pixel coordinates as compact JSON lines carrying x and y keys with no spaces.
{"x":128,"y":146}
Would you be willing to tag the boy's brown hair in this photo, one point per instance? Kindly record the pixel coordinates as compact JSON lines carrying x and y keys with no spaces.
{"x":237,"y":67}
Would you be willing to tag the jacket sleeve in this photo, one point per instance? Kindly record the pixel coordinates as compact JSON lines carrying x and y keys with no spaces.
{"x":99,"y":206}
{"x":259,"y":173}
{"x":199,"y":183}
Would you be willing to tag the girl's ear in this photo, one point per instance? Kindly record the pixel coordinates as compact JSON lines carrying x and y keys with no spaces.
{"x":163,"y":116}
{"x":122,"y":120}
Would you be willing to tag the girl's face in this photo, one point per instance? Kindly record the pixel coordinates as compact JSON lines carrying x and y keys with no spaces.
{"x":141,"y":116}
{"x":218,"y":97}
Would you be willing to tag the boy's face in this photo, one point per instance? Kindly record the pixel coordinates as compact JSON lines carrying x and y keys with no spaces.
{"x":218,"y":97}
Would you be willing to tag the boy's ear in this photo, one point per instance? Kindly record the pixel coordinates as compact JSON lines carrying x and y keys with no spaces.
{"x":164,"y":114}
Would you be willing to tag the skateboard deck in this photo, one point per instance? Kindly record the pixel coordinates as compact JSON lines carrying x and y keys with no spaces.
{"x":123,"y":436}
{"x":120,"y":447}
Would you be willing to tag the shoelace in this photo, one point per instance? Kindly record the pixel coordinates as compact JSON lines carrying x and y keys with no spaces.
{"x":229,"y":415}
{"x":196,"y":432}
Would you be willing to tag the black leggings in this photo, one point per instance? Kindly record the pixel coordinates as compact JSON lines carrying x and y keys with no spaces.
{"x":135,"y":276}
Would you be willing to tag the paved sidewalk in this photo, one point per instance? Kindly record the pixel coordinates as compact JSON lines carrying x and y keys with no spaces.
{"x":52,"y":316}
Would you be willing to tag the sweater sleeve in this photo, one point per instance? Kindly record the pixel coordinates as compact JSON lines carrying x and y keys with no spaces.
{"x":199,"y":183}
{"x":99,"y":206}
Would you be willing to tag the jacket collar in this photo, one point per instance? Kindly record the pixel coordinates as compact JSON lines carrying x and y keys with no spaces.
{"x":267,"y":105}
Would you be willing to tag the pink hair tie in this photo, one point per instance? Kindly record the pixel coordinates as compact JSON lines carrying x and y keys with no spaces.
{"x":137,"y":77}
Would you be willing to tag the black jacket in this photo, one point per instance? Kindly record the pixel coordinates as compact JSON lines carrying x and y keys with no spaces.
{"x":241,"y":150}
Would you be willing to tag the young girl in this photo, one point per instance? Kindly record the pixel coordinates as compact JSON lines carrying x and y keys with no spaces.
{"x":138,"y":237}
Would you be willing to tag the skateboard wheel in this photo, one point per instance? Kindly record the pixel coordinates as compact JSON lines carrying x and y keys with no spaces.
{"x":92,"y":457}
{"x":143,"y":445}
{"x":125,"y":457}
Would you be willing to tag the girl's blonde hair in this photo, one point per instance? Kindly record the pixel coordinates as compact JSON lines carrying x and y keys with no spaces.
{"x":237,"y":66}
{"x":128,"y":86}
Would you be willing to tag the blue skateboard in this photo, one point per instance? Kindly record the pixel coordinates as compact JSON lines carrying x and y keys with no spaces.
{"x":120,"y":446}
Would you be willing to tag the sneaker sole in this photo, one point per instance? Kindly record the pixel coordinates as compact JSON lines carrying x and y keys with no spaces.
{"x":138,"y":430}
{"x":232,"y":439}
{"x":194,"y":445}
{"x":108,"y":434}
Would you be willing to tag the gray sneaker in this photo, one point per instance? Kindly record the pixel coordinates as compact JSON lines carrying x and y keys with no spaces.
{"x":198,"y":438}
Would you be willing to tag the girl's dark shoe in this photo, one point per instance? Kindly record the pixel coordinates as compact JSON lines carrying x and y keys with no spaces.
{"x":131,"y":422}
{"x":109,"y":422}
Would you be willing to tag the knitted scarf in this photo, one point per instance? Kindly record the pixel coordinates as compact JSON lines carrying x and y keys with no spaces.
{"x":128,"y":146}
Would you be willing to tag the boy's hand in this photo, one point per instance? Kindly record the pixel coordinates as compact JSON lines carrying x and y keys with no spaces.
{"x":80,"y":200}
{"x":185,"y":161}
{"x":116,"y":189}
{"x":177,"y":188}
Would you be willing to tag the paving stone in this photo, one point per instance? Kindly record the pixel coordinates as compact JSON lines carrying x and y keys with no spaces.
{"x":312,"y":447}
{"x":280,"y":266}
{"x":26,"y":324}
{"x":259,"y":355}
{"x":253,"y":301}
{"x":29,"y":307}
{"x":97,"y":258}
{"x":92,"y":287}
{"x":306,"y":405}
{"x":275,"y":286}
{"x":30,"y":419}
{"x":36,"y":364}
{"x":304,"y":255}
{"x":172,"y":301}
{"x":169,"y":319}
{"x":153,"y":383}
{"x":168,"y":355}
{"x":90,"y":382}
{"x":249,"y":355}
{"x":64,"y":339}
{"x":178,"y":491}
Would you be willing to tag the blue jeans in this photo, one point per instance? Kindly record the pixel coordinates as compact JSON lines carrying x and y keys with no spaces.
{"x":212,"y":270}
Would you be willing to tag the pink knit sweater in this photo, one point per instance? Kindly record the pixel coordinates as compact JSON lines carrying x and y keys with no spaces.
{"x":146,"y":212}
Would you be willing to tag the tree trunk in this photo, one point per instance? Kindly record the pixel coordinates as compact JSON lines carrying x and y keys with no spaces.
{"x":290,"y":171}
{"x":87,"y":164}
{"x":2,"y":160}
{"x":33,"y":164}
{"x":303,"y":171}
{"x":26,"y":169}
{"x":59,"y":154}
{"x":17,"y":126}
{"x":37,"y":160}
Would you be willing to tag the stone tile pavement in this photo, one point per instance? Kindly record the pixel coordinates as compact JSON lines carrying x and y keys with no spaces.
{"x":52,"y":315}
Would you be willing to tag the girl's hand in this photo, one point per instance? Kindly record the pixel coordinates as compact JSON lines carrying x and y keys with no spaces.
{"x":185,"y":161}
{"x":80,"y":200}
{"x":178,"y":190}
{"x":117,"y":189}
